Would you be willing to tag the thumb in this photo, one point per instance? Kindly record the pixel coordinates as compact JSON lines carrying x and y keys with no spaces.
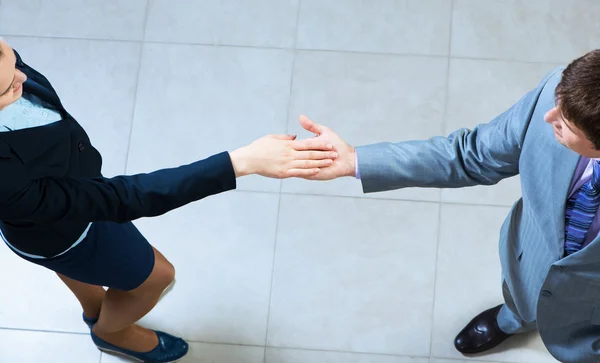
{"x":283,"y":137}
{"x":309,"y":125}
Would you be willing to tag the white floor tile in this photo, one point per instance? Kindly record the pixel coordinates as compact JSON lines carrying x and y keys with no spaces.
{"x":270,"y":23}
{"x":469,"y":282}
{"x":532,"y":30}
{"x":439,"y":360}
{"x":306,"y":356}
{"x":368,"y":99}
{"x":222,"y":249}
{"x":36,"y":347}
{"x":209,"y":353}
{"x":354,"y":275}
{"x":222,"y":100}
{"x":115,"y":19}
{"x":39,"y":300}
{"x":386,"y":26}
{"x":480,"y":90}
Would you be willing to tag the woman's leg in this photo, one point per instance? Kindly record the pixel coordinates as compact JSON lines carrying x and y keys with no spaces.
{"x":121,"y":309}
{"x":90,"y":296}
{"x":118,"y":310}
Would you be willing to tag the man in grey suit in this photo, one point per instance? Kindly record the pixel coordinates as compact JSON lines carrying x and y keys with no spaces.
{"x":549,"y":245}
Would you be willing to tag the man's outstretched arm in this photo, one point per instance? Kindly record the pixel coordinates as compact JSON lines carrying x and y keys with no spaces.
{"x":482,"y":156}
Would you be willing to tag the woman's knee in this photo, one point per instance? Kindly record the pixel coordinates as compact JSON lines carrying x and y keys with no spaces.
{"x":162,"y":275}
{"x":164,"y":271}
{"x":168,"y":272}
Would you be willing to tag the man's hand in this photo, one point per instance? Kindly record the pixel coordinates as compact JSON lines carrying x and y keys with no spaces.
{"x":281,"y":156}
{"x":344,"y":164}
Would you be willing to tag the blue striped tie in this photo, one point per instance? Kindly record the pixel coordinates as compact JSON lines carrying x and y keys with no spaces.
{"x":580,"y":212}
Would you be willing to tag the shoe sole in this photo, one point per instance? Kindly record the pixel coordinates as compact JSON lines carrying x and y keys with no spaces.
{"x":130,"y":357}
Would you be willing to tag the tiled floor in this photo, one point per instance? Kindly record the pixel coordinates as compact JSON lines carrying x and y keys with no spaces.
{"x":293,"y":272}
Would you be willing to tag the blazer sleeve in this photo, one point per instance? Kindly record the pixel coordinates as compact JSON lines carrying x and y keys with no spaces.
{"x":482,"y":156}
{"x":119,"y":199}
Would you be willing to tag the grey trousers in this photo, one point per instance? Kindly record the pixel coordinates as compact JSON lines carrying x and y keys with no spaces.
{"x":509,"y":319}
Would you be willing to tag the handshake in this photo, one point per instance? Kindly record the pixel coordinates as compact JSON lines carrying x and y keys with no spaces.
{"x":323,"y":157}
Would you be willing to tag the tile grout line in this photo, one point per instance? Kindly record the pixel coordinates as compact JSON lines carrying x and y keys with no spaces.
{"x":43,"y":331}
{"x":413,"y":55}
{"x":459,"y":360}
{"x":287,"y":127}
{"x":245,"y":345}
{"x":345,"y":352}
{"x":135,"y":96}
{"x":305,"y":349}
{"x":441,"y":203}
{"x":137,"y":83}
{"x":272,"y":278}
{"x":303,"y":194}
{"x":435,"y":275}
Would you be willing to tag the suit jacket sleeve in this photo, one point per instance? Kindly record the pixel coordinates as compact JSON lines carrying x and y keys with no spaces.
{"x":118,"y":199}
{"x":481,"y":156}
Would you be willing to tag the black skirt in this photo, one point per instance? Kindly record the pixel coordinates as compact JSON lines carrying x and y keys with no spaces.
{"x":111,"y":255}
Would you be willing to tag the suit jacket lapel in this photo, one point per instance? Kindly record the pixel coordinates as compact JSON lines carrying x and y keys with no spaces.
{"x":564,"y":163}
{"x":32,"y":87}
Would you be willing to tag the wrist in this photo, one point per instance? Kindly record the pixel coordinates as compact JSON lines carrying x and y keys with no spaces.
{"x":351,"y":163}
{"x":240,"y":162}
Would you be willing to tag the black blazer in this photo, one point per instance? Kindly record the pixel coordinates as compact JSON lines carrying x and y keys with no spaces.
{"x":51,"y":186}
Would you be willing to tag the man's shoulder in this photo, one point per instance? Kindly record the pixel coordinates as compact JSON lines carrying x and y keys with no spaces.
{"x":551,"y":79}
{"x":543,"y":96}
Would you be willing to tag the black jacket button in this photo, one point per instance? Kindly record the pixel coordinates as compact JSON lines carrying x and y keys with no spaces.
{"x":81,"y":146}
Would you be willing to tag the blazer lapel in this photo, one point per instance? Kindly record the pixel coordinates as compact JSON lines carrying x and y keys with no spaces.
{"x":32,"y":87}
{"x":564,"y":163}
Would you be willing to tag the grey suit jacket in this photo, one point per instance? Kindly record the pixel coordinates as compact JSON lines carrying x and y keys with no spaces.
{"x":562,"y":294}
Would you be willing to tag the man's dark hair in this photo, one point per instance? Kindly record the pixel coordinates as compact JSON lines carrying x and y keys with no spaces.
{"x":578,"y":95}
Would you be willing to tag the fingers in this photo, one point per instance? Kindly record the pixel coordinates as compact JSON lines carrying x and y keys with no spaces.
{"x":311,"y":164}
{"x":308,"y":169}
{"x":309,"y":125}
{"x":312,"y":144}
{"x":315,"y":155}
{"x":303,"y":173}
{"x":283,"y":137}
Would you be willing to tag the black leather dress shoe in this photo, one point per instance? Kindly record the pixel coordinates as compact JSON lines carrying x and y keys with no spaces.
{"x":481,"y":334}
